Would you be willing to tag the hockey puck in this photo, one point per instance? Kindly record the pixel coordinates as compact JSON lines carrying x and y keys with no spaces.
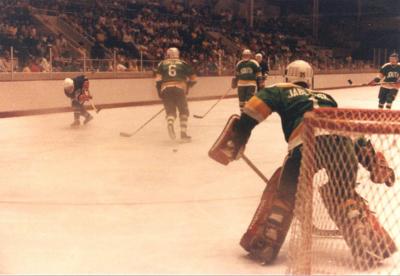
{"x":174,"y":150}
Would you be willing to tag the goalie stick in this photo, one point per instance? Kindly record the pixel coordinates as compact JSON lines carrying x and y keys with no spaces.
{"x":212,"y":107}
{"x":315,"y":230}
{"x":126,"y":134}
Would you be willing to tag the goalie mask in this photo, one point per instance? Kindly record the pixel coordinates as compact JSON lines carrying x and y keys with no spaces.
{"x":68,"y":85}
{"x":301,"y":73}
{"x":173,"y":53}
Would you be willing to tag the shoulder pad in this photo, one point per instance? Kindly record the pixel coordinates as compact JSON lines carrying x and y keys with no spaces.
{"x":239,"y":62}
{"x":284,"y":85}
{"x":255,"y":61}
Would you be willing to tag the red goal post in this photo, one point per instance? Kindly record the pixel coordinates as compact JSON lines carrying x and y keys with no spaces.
{"x":326,"y":254}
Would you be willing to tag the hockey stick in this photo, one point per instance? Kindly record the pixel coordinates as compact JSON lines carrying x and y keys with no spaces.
{"x":211,"y":108}
{"x":315,"y":230}
{"x":371,"y":83}
{"x":125,"y":134}
{"x":94,"y":107}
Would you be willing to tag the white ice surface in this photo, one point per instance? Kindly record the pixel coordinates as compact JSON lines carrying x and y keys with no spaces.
{"x":88,"y":201}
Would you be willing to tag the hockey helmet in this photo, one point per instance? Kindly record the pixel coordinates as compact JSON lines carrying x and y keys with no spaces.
{"x":246,"y":54}
{"x":259,"y":57}
{"x":300,"y":72}
{"x":68,"y":85}
{"x":394,"y":58}
{"x":173,"y":53}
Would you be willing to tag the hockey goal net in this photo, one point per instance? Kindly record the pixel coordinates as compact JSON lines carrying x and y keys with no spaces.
{"x":346,"y":220}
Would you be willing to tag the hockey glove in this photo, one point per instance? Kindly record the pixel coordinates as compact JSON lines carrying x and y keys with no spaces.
{"x":230,"y":144}
{"x":234,"y":83}
{"x":374,"y":82}
{"x":374,"y":162}
{"x":83,"y":98}
{"x":191,"y":83}
{"x":381,"y":172}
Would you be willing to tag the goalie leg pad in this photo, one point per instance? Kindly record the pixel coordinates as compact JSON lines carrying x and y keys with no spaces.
{"x":368,"y":240}
{"x":270,"y":224}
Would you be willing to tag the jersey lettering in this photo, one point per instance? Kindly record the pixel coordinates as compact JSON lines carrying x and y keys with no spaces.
{"x":296,"y":92}
{"x":246,"y":70}
{"x":172,"y":70}
{"x":393,"y":75}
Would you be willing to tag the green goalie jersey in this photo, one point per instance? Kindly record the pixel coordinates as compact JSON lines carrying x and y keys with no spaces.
{"x":291,"y":102}
{"x":247,"y":72}
{"x":174,"y":73}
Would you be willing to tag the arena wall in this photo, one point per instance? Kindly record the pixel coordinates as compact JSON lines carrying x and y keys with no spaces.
{"x":20,"y":98}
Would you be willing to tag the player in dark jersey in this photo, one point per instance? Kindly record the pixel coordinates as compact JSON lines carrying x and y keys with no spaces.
{"x":247,"y":78}
{"x":174,"y":77}
{"x":389,"y":78}
{"x":77,"y":89}
{"x":273,"y":217}
{"x":264,"y":67}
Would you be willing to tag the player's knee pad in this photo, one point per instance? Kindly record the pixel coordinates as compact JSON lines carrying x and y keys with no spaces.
{"x":170,"y":119}
{"x":368,"y":240}
{"x":270,"y":224}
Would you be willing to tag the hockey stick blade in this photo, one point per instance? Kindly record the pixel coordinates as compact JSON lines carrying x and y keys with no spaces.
{"x":198,"y":116}
{"x":124,"y":134}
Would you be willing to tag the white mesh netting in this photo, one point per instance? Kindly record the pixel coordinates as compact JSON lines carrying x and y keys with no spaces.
{"x":346,"y":223}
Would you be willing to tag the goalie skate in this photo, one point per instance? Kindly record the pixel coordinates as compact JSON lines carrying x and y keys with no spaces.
{"x":368,"y":240}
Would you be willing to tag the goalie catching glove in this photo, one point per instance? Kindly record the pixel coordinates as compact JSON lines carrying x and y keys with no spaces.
{"x":374,"y":162}
{"x":230,"y":144}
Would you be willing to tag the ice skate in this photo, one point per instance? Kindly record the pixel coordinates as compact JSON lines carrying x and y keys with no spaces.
{"x":76,"y":124}
{"x":88,"y":119}
{"x":185,"y":138}
{"x":171,"y":131}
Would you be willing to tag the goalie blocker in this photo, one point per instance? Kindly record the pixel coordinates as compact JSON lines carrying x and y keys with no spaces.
{"x":229,"y":144}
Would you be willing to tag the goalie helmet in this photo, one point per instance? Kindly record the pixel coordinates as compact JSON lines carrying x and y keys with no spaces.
{"x":173,"y":53}
{"x":246,"y":54}
{"x":68,"y":85}
{"x":300,"y":73}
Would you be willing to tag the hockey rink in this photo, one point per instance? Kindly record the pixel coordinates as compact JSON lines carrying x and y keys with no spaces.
{"x":87,"y":201}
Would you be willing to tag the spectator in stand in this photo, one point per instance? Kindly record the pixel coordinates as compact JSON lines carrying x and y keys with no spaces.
{"x":5,"y":62}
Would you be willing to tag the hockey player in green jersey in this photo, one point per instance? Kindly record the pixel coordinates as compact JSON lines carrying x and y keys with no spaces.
{"x":389,"y":76}
{"x":174,"y":77}
{"x":247,"y":78}
{"x":368,"y":240}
